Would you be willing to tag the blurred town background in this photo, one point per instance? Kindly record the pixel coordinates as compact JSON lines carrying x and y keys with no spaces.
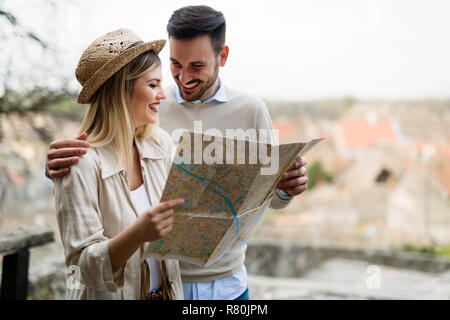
{"x":380,"y":180}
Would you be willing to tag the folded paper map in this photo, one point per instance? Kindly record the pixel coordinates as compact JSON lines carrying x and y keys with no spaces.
{"x":227,"y":184}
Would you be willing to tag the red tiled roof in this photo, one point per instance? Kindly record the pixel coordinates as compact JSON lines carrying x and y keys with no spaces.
{"x":286,"y":128}
{"x":360,"y":133}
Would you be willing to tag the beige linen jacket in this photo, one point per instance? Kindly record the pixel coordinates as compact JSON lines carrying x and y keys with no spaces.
{"x":93,"y":204}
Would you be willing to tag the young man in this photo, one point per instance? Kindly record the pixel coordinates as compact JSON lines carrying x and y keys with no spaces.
{"x":197,"y":50}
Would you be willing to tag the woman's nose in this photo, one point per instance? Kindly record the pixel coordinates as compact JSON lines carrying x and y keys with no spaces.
{"x":162,"y":94}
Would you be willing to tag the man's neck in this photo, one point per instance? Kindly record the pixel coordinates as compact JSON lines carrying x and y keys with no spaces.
{"x":211,"y":91}
{"x":210,"y":94}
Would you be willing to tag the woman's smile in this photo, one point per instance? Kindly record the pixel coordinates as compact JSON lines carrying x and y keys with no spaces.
{"x":154,"y":107}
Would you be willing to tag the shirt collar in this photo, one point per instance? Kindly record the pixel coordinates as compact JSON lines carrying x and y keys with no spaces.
{"x":219,"y":96}
{"x":110,"y":165}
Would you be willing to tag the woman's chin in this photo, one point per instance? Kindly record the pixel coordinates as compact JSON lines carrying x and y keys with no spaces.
{"x":148,"y":121}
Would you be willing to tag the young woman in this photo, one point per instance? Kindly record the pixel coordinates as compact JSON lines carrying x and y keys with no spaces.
{"x":107,"y":207}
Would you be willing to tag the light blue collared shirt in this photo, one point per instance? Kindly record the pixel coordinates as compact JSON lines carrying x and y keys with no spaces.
{"x":228,"y":288}
{"x":219,"y":96}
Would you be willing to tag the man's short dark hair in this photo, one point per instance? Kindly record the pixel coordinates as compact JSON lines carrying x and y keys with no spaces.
{"x":191,"y":21}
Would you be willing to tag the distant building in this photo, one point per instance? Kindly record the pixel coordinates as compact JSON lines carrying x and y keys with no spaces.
{"x":286,"y":129}
{"x":437,"y":156}
{"x":418,"y":208}
{"x":419,"y":205}
{"x":359,"y":133}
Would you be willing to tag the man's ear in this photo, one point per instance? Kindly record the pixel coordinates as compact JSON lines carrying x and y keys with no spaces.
{"x":223,"y":55}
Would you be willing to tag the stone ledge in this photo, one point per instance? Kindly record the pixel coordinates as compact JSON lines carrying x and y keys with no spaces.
{"x":12,"y":241}
{"x":293,"y":260}
{"x":277,"y":262}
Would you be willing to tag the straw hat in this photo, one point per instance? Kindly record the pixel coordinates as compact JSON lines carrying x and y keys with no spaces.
{"x":107,"y":55}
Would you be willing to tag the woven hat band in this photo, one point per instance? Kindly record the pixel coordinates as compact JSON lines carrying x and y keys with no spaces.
{"x":135,"y":44}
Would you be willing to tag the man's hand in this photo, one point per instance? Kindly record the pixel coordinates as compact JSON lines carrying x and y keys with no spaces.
{"x":64,"y":153}
{"x":294,"y":179}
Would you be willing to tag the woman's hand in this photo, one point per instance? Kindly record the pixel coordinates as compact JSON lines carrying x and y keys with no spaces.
{"x":151,"y":225}
{"x":157,"y":221}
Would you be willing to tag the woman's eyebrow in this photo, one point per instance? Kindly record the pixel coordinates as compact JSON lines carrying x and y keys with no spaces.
{"x":154,"y":79}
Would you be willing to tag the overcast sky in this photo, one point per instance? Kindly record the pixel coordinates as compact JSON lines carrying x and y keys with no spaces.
{"x":310,"y":49}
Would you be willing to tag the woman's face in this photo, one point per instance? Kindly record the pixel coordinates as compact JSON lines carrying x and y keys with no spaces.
{"x":146,"y":96}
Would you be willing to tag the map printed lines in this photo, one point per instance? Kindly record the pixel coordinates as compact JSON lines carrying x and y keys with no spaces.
{"x":224,"y":197}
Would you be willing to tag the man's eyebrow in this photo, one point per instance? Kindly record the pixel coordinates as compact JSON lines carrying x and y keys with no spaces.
{"x":191,"y":63}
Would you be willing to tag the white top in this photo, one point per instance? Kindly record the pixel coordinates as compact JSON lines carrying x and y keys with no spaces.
{"x":93,"y":205}
{"x":142,"y":202}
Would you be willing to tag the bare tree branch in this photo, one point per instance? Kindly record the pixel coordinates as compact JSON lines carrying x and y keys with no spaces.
{"x":21,"y":31}
{"x":8,"y":16}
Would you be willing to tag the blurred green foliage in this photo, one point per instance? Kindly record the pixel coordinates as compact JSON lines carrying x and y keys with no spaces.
{"x":316,"y":174}
{"x":430,"y":249}
{"x":61,"y":102}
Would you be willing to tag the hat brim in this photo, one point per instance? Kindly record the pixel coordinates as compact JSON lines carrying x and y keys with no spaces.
{"x":114,"y":65}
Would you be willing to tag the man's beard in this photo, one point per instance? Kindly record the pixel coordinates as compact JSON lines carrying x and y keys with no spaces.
{"x":205,"y":88}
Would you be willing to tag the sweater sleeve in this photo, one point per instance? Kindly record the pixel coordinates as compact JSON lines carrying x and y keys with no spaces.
{"x":80,"y":225}
{"x":263,"y":121}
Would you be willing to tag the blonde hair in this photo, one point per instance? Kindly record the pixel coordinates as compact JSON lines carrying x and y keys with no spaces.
{"x":109,"y":117}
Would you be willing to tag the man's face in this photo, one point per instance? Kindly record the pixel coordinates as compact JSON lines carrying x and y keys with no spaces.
{"x":195,"y":67}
